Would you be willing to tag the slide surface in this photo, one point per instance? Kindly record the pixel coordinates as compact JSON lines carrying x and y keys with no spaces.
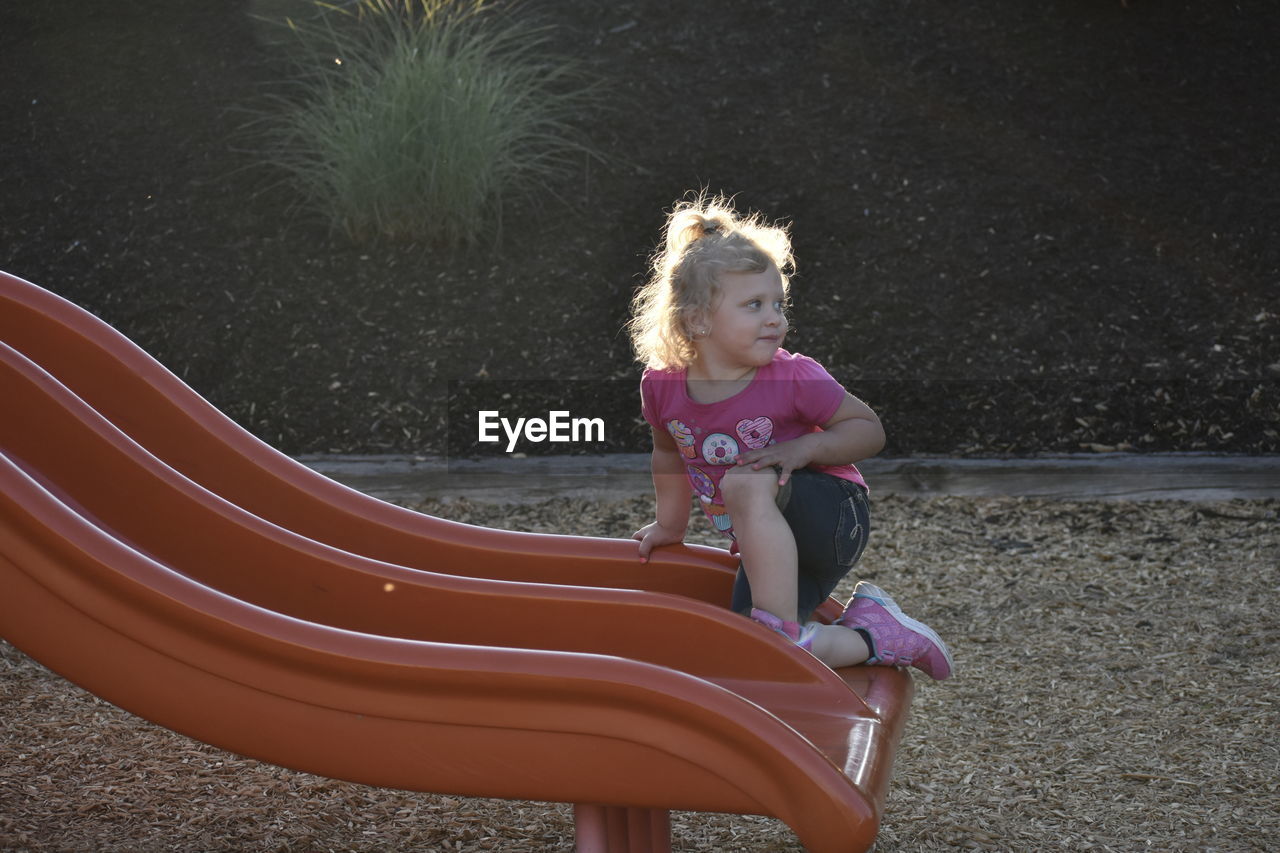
{"x":299,"y":637}
{"x":147,"y":402}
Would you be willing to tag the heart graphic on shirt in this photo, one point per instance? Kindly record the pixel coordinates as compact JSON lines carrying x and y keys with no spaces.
{"x":755,"y":433}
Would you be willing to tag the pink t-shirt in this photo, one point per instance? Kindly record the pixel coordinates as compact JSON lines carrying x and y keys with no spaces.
{"x":789,"y":397}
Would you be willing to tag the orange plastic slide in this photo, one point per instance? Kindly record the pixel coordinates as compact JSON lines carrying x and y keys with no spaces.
{"x":161,"y":557}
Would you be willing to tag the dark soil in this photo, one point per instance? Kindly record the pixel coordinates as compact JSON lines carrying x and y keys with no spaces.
{"x":1021,"y":227}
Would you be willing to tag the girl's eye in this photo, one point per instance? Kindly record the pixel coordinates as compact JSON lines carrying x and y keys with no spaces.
{"x":753,"y":304}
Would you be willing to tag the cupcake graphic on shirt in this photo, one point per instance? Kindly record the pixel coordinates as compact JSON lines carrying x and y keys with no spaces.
{"x":684,"y":438}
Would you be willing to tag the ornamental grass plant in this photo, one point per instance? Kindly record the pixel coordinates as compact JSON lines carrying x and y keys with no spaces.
{"x":419,"y":120}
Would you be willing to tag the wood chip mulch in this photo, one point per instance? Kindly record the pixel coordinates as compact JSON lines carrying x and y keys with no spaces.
{"x":1117,"y":682}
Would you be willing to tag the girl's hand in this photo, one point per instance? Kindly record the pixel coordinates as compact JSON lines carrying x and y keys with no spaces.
{"x":655,"y":536}
{"x":785,"y":456}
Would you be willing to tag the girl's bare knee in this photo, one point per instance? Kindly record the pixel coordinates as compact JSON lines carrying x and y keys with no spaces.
{"x":744,"y":486}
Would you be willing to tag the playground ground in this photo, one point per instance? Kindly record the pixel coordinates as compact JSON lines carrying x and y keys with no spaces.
{"x":1117,"y":665}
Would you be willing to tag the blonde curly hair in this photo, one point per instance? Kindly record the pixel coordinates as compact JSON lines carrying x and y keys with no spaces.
{"x":703,"y":238}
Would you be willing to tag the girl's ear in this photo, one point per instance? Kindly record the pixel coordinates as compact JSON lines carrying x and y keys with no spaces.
{"x":698,"y":323}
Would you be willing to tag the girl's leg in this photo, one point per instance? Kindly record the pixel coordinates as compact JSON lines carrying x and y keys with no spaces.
{"x":765,"y":541}
{"x":837,"y":646}
{"x":830,"y":519}
{"x":826,"y":521}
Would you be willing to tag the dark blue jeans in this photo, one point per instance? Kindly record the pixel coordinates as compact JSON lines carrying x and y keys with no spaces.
{"x":831,"y":519}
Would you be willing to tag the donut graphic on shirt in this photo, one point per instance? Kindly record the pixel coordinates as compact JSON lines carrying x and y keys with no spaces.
{"x":701,"y":483}
{"x":755,"y":432}
{"x":683,"y":436}
{"x":719,"y":449}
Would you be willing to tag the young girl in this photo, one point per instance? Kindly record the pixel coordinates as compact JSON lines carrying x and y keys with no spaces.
{"x":766,"y":438}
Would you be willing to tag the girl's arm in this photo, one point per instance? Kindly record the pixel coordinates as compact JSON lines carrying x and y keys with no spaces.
{"x":852,"y":434}
{"x":671,"y":487}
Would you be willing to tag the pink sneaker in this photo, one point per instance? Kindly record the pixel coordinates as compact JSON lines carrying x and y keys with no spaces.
{"x":801,"y":635}
{"x":898,"y":639}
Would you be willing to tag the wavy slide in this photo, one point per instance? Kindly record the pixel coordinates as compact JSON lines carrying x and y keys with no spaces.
{"x":163,"y":558}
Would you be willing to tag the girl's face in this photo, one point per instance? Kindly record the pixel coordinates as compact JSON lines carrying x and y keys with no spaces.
{"x":746,"y":327}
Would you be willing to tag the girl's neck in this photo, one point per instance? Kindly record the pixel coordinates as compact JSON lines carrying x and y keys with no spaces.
{"x":709,"y":383}
{"x":706,"y":368}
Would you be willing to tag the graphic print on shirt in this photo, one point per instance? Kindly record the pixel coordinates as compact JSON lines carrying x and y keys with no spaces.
{"x":786,"y":399}
{"x":719,"y":449}
{"x":718,"y":514}
{"x":755,"y":432}
{"x":702,"y":484}
{"x":683,"y":436}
